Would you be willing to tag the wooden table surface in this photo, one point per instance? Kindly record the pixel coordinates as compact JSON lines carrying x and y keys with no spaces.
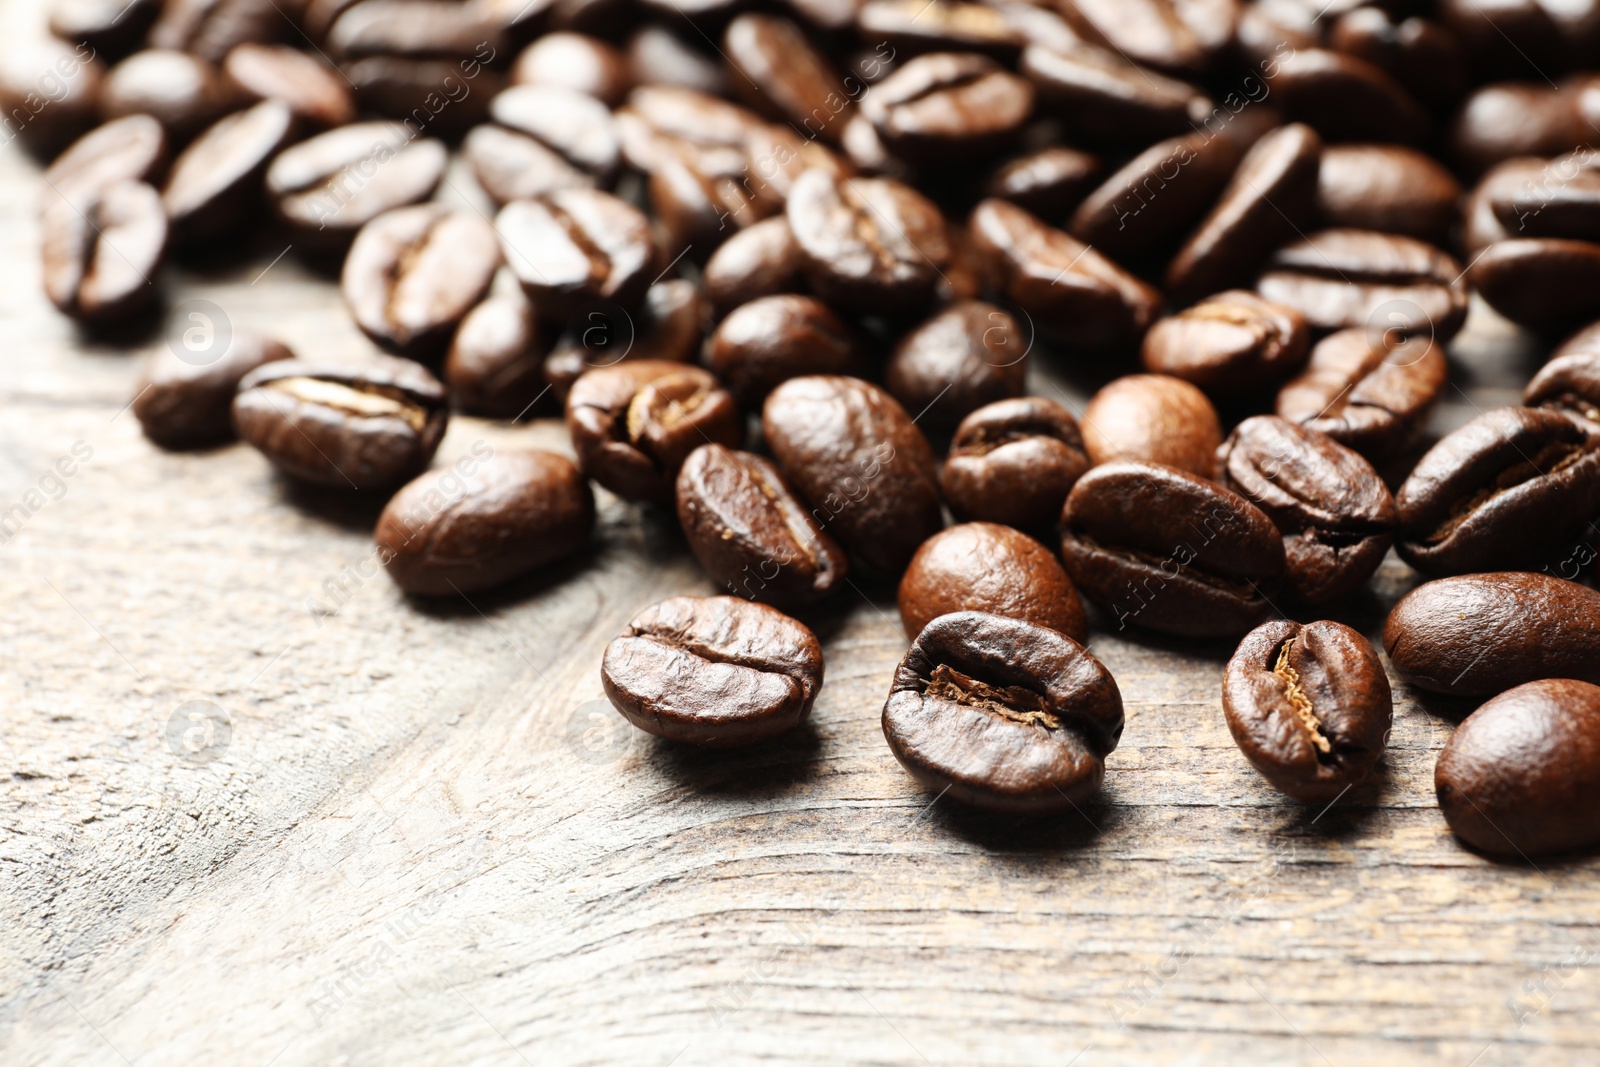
{"x":418,"y":834}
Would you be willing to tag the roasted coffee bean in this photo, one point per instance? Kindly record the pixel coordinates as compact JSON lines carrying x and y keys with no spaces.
{"x":1418,"y":53}
{"x":48,"y":91}
{"x":1066,"y":287}
{"x":869,"y":244}
{"x":366,"y":426}
{"x":1367,"y":393}
{"x":575,"y":61}
{"x":133,"y":149}
{"x":183,"y":92}
{"x":856,"y":457}
{"x":766,"y":342}
{"x":1562,"y":201}
{"x":948,"y":106}
{"x":669,"y":324}
{"x":111,"y":28}
{"x":1514,"y":488}
{"x":514,"y":166}
{"x":911,"y":29}
{"x":212,"y":28}
{"x":441,"y":97}
{"x":314,"y":91}
{"x":657,"y":56}
{"x":1585,"y":342}
{"x":760,"y":260}
{"x":577,"y":245}
{"x":1170,"y":551}
{"x":1518,"y":778}
{"x":1050,"y":182}
{"x":1102,"y":98}
{"x":1336,"y":515}
{"x":1480,"y":227}
{"x":101,"y":259}
{"x":1387,"y":188}
{"x":1570,"y":383}
{"x":1505,"y":121}
{"x":1341,"y":278}
{"x":414,"y":29}
{"x":1188,"y":39}
{"x":495,"y":363}
{"x":660,"y":120}
{"x":968,"y":355}
{"x":633,"y":424}
{"x":330,"y":186}
{"x":1309,"y":706}
{"x":1003,"y":715}
{"x":1545,"y":284}
{"x":1480,"y":634}
{"x":751,"y":533}
{"x":484,"y":522}
{"x":982,"y":566}
{"x":1230,"y":345}
{"x":1153,"y":418}
{"x":718,"y":672}
{"x":1014,"y":462}
{"x":1270,"y":198}
{"x":574,"y":126}
{"x":779,"y":73}
{"x":187,"y":405}
{"x":414,"y":273}
{"x":215,"y":185}
{"x":1346,"y":99}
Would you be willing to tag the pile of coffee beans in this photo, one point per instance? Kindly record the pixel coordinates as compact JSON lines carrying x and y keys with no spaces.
{"x":784,"y":267}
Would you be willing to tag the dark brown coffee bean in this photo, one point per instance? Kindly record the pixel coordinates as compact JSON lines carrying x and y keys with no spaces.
{"x":1570,"y":382}
{"x":968,"y":355}
{"x":669,"y":324}
{"x":1170,"y":551}
{"x":187,"y":405}
{"x":414,"y":273}
{"x":1336,"y":515}
{"x":433,"y":29}
{"x":1014,"y":462}
{"x":1501,"y":122}
{"x":1153,"y":418}
{"x":718,"y":672}
{"x":1514,"y":488}
{"x":658,"y":56}
{"x":1544,"y":284}
{"x":574,"y":125}
{"x":1367,"y":393}
{"x":327,"y":188}
{"x":133,"y":149}
{"x":1309,"y":706}
{"x":1517,"y":779}
{"x":111,"y":28}
{"x":779,"y":73}
{"x":1480,"y":634}
{"x":577,"y":245}
{"x":751,"y":533}
{"x":948,"y":106}
{"x":1230,"y":345}
{"x":513,"y":166}
{"x":1418,"y":53}
{"x":484,"y":522}
{"x":1003,"y":715}
{"x":982,"y":566}
{"x":633,"y":424}
{"x":1346,"y":99}
{"x":1342,"y":278}
{"x":48,"y":92}
{"x":212,"y":28}
{"x":1067,"y":288}
{"x":1517,"y":37}
{"x":183,"y":92}
{"x":495,"y":363}
{"x":1270,"y":198}
{"x":660,"y":121}
{"x":215,"y":185}
{"x":1480,"y":227}
{"x":867,"y":244}
{"x":766,"y":342}
{"x":1050,"y":182}
{"x":439,"y":97}
{"x":366,"y":426}
{"x":1103,"y":98}
{"x":575,"y":61}
{"x":760,"y":260}
{"x":913,"y":28}
{"x":101,"y":259}
{"x":314,"y":91}
{"x":1172,"y":35}
{"x":1563,"y":200}
{"x":856,"y":457}
{"x":1387,"y":188}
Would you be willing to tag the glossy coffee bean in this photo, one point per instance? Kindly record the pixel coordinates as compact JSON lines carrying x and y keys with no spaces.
{"x":101,"y":259}
{"x":1104,"y":99}
{"x":1229,"y":345}
{"x":317,"y":94}
{"x":633,"y":424}
{"x":764,"y":343}
{"x":1309,"y":706}
{"x":1003,"y":715}
{"x":1336,"y":515}
{"x":1344,"y":278}
{"x":1570,"y":382}
{"x":181,"y":91}
{"x":760,"y":260}
{"x":1366,"y":394}
{"x":484,"y":522}
{"x":913,"y":29}
{"x":751,"y":533}
{"x":1563,"y":200}
{"x":867,"y":244}
{"x":1387,"y":188}
{"x":968,"y":355}
{"x":669,"y":324}
{"x":414,"y":29}
{"x":1545,"y":284}
{"x":574,"y":125}
{"x":441,"y":97}
{"x":658,"y":56}
{"x":1480,"y":634}
{"x":1066,"y":287}
{"x":212,"y":28}
{"x":495,"y":363}
{"x":1153,"y":418}
{"x":1480,"y":226}
{"x":215,"y":185}
{"x":1346,"y":99}
{"x":778,"y":71}
{"x":328,"y":187}
{"x":1517,"y":779}
{"x":185,"y":405}
{"x":1014,"y":462}
{"x":1420,"y":54}
{"x":112,"y":28}
{"x":1183,"y":38}
{"x":855,"y":456}
{"x":48,"y":92}
{"x":574,"y":246}
{"x":365,"y":426}
{"x":1507,"y":120}
{"x":1514,"y":488}
{"x":133,"y":149}
{"x":575,"y":61}
{"x":718,"y":672}
{"x":948,"y":106}
{"x":1167,"y":550}
{"x":1050,"y":182}
{"x":982,"y":566}
{"x":414,"y":273}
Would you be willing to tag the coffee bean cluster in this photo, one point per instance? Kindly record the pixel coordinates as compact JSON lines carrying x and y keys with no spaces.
{"x":785,"y":266}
